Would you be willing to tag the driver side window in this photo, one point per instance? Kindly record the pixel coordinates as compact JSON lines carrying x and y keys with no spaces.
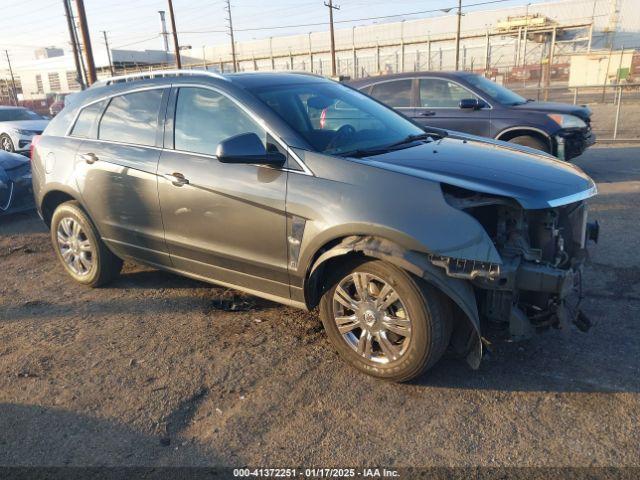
{"x":441,"y":93}
{"x":204,"y":118}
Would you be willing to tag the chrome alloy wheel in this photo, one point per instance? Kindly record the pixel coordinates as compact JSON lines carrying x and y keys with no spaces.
{"x":6,"y":144}
{"x":371,"y":317}
{"x":75,"y":248}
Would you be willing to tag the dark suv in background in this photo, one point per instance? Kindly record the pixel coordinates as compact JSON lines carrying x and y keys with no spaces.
{"x":406,"y":240}
{"x":471,"y":103}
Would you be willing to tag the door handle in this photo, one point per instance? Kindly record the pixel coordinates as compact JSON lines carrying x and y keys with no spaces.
{"x":90,"y":157}
{"x":428,"y":113}
{"x":177,"y":179}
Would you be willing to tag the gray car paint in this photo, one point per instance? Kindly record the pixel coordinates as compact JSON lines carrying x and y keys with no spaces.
{"x":232,"y":224}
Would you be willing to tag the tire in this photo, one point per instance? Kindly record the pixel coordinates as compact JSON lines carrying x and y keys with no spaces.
{"x":531,"y":142}
{"x":79,"y":248}
{"x":6,"y":143}
{"x":419,"y":306}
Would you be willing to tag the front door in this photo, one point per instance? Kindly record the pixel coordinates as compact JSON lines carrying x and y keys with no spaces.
{"x":438,"y":106}
{"x":116,"y":165}
{"x":225,"y":222}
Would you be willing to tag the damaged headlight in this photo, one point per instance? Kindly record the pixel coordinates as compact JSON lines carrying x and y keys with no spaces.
{"x":567,"y":121}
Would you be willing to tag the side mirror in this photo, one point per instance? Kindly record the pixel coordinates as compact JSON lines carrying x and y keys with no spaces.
{"x":471,"y":103}
{"x":247,"y":148}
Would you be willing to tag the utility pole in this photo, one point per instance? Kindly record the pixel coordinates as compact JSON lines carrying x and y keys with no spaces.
{"x":86,"y":40}
{"x":233,"y":43}
{"x":106,"y":44}
{"x":74,"y":43}
{"x":13,"y":80}
{"x":458,"y":34}
{"x":332,"y":7}
{"x":175,"y":35}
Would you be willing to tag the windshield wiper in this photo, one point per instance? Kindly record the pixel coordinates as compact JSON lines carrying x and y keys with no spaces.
{"x":367,"y":152}
{"x":364,"y":152}
{"x":433,"y":132}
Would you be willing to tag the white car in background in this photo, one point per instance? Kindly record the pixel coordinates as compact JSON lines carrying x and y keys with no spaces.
{"x":18,"y":125}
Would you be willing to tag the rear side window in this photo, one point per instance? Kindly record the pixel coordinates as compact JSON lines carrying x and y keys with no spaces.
{"x":87,"y":123}
{"x":204,"y":118}
{"x":441,"y":93}
{"x":132,"y":118}
{"x":396,"y":93}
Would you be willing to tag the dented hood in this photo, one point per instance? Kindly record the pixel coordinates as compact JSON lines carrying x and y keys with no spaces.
{"x":533,"y":179}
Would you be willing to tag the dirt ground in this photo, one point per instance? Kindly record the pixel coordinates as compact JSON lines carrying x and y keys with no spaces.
{"x":149,"y":371}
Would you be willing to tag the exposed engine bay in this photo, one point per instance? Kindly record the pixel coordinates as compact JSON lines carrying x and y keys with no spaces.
{"x":539,"y":283}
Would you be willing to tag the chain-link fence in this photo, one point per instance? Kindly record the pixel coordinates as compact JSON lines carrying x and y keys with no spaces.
{"x":616,"y":108}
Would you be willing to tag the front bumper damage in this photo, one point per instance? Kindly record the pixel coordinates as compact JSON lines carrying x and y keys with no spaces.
{"x":571,"y":143}
{"x":504,"y":302}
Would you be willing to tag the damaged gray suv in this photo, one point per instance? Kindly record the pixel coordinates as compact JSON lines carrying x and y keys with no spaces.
{"x":306,"y":192}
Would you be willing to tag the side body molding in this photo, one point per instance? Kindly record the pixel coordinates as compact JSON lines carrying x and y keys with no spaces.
{"x":458,"y":290}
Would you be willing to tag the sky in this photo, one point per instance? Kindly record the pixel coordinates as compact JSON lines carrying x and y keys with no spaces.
{"x":135,"y":24}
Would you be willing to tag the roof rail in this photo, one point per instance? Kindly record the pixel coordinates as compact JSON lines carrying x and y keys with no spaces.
{"x":156,"y":74}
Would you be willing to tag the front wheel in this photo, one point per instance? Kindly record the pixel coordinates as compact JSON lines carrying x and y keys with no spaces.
{"x":79,"y":248}
{"x":531,"y":142}
{"x":6,"y":143}
{"x":384,"y":322}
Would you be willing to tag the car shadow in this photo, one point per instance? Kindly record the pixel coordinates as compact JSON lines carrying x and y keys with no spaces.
{"x":549,"y":362}
{"x":34,"y":435}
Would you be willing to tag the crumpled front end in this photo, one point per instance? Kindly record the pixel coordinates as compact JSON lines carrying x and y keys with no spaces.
{"x":539,"y":283}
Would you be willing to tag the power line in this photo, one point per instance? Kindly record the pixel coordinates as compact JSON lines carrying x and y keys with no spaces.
{"x":135,"y":43}
{"x":276,"y":27}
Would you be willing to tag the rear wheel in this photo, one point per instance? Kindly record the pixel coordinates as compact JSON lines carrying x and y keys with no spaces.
{"x":6,"y":143}
{"x":79,"y":248}
{"x":531,"y":142}
{"x":384,"y":322}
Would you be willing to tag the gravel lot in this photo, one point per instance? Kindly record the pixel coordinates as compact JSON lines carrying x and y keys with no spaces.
{"x":150,"y":372}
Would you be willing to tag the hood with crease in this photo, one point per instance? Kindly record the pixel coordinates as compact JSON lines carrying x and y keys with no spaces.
{"x":533,"y":179}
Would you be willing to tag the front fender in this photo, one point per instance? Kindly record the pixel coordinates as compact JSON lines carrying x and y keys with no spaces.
{"x":458,"y":290}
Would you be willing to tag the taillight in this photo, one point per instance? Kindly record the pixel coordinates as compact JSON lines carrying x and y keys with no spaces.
{"x":34,"y":142}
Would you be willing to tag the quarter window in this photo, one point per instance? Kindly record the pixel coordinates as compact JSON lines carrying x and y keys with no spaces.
{"x":87,"y":121}
{"x":396,"y":93}
{"x":204,"y":118}
{"x":132,"y":118}
{"x":440,"y":93}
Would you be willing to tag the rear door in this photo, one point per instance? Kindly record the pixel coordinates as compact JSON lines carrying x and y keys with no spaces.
{"x":438,"y":106}
{"x":398,"y":94}
{"x":116,"y":165}
{"x":225,"y":222}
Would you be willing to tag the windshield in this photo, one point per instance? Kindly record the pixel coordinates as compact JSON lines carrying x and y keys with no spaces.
{"x":335,"y":119}
{"x":497,"y":92}
{"x":14,"y":114}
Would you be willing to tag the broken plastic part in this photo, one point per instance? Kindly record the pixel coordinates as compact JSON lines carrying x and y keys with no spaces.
{"x":466,"y":269}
